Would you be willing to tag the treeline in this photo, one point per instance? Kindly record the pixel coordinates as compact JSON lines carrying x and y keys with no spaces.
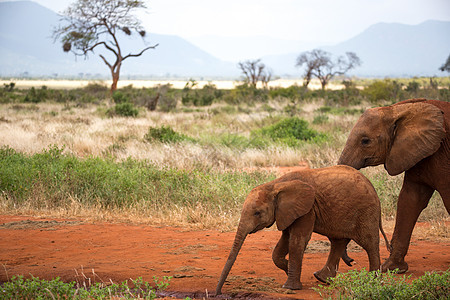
{"x":166,"y":98}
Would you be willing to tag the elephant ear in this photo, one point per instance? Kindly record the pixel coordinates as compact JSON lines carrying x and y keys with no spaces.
{"x":418,"y":132}
{"x":294,"y":199}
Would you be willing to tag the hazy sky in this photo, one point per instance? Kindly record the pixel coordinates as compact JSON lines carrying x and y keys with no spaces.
{"x":327,"y":21}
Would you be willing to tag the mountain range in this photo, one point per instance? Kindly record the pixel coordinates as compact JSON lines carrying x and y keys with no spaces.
{"x":386,"y":50}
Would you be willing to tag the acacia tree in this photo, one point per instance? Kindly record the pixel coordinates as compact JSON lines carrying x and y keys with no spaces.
{"x":320,"y":64}
{"x":254,"y":71}
{"x":91,"y":24}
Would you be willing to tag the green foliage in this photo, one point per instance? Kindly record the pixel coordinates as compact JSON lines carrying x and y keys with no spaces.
{"x":119,"y":97}
{"x":35,"y":288}
{"x":36,"y":96}
{"x":375,"y":285}
{"x":350,"y":95}
{"x":383,"y":90}
{"x":291,"y":92}
{"x":289,"y":131}
{"x":165,"y":134}
{"x":124,"y":109}
{"x":199,"y":97}
{"x":9,"y":87}
{"x":413,"y":86}
{"x":340,"y":110}
{"x":168,"y":97}
{"x":50,"y":179}
{"x":246,"y":93}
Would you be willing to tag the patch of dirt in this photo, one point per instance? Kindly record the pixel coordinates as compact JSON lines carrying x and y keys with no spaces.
{"x":117,"y":252}
{"x":48,"y":224}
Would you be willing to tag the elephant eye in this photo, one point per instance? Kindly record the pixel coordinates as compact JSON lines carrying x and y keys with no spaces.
{"x":257,"y":213}
{"x":365,"y":141}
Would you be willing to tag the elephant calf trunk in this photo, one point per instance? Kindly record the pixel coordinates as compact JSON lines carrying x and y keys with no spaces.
{"x":238,"y":241}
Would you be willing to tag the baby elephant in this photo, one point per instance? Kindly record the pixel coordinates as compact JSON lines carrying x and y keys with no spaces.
{"x":338,"y":202}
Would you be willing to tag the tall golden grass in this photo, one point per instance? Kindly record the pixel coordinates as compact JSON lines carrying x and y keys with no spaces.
{"x":86,"y":131}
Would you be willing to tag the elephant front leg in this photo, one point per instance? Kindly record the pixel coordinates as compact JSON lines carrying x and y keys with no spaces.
{"x":412,"y":200}
{"x":299,"y":235}
{"x":280,"y":252}
{"x":329,"y":270}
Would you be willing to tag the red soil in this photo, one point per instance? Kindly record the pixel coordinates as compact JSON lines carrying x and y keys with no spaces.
{"x":48,"y":248}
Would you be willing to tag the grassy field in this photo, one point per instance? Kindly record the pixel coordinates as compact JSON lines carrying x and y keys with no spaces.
{"x":81,"y":153}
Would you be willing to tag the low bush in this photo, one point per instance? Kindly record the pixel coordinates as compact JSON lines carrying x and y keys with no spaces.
{"x":383,"y":90}
{"x":35,"y":288}
{"x":165,"y":134}
{"x":36,"y":95}
{"x":291,"y":92}
{"x":125,"y":109}
{"x":289,"y":131}
{"x":376,"y":285}
{"x":120,"y":97}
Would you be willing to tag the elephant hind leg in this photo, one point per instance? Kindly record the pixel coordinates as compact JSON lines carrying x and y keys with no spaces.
{"x":280,"y":251}
{"x":372,"y":248}
{"x":338,"y":247}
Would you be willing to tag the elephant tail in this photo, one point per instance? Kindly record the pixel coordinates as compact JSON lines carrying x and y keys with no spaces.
{"x":388,"y":245}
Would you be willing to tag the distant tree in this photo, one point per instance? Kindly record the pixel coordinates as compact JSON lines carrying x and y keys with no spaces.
{"x":266,"y":77}
{"x":446,"y":66}
{"x":89,"y":24}
{"x":312,"y":60}
{"x":320,"y":64}
{"x":254,"y":71}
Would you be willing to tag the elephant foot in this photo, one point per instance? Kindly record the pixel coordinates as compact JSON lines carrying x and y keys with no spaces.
{"x":293,"y":285}
{"x":324,"y":274}
{"x":391,"y":265}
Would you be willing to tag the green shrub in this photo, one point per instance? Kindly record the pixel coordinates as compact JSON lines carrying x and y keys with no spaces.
{"x":165,"y":134}
{"x":125,"y":109}
{"x":9,"y":87}
{"x":383,"y":90}
{"x":348,"y":96}
{"x":120,"y":97}
{"x":96,"y":89}
{"x":375,"y":285}
{"x":291,"y":92}
{"x":413,"y":87}
{"x":36,"y":96}
{"x":288,"y":131}
{"x":246,"y":93}
{"x":35,"y":288}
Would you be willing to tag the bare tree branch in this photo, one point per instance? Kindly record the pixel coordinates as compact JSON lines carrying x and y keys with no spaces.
{"x":318,"y":63}
{"x":140,"y":53}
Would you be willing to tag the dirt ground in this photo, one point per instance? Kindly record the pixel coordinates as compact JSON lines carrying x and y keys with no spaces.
{"x":72,"y":249}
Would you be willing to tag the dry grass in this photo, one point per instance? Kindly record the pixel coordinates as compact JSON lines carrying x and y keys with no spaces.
{"x":83,"y":131}
{"x":86,"y":131}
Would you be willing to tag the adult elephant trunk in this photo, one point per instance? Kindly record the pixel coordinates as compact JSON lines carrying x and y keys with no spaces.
{"x":348,"y":158}
{"x":237,"y":244}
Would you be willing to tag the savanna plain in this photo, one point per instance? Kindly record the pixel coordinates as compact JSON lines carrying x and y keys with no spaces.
{"x":97,"y":188}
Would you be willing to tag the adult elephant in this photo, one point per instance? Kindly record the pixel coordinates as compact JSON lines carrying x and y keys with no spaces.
{"x":412,"y":136}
